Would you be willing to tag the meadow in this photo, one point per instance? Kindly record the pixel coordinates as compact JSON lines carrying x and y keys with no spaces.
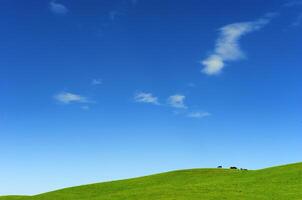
{"x":276,"y":183}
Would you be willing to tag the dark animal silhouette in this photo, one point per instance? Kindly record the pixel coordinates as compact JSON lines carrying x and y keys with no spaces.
{"x":233,"y":167}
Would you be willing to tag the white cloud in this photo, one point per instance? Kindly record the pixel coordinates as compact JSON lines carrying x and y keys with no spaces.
{"x":198,"y":114}
{"x":227,"y":47}
{"x":214,"y":64}
{"x":58,"y":8}
{"x":177,"y":101}
{"x":66,"y":98}
{"x":96,"y":82}
{"x":143,"y":97}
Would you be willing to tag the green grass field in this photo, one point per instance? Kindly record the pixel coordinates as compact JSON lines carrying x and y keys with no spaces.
{"x":277,"y":183}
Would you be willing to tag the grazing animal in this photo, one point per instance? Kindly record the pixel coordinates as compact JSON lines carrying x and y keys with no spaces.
{"x":233,"y":167}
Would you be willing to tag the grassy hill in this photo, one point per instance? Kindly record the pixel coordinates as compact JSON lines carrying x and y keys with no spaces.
{"x":277,"y":183}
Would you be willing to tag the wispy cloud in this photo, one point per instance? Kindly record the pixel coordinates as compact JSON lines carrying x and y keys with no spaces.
{"x":58,"y":8}
{"x":174,"y":101}
{"x":295,"y":3}
{"x":198,"y":115}
{"x":143,"y":97}
{"x":67,"y":98}
{"x":227,"y":47}
{"x":96,"y":81}
{"x":177,"y":101}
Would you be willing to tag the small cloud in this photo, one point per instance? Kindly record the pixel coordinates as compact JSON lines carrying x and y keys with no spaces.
{"x":143,"y":97}
{"x":227,"y":47}
{"x":213,"y":65}
{"x":177,"y":101}
{"x":66,"y":98}
{"x":58,"y":8}
{"x":199,"y":114}
{"x":96,"y":82}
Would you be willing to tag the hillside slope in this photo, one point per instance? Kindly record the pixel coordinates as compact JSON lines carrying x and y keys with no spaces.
{"x":277,"y":183}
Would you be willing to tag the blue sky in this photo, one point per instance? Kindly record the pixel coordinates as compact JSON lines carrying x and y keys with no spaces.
{"x":100,"y":90}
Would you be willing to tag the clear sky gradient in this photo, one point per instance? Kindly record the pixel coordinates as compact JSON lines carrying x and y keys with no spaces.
{"x":96,"y":90}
